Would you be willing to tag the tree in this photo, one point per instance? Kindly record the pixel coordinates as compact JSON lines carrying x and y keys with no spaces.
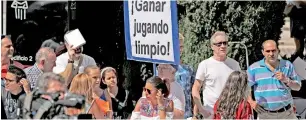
{"x":248,"y":22}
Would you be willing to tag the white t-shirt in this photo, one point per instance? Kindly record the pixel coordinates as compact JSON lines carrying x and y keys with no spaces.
{"x":214,"y":75}
{"x":62,"y":61}
{"x":177,"y":96}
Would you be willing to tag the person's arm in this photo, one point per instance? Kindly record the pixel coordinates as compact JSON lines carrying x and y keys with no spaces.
{"x":293,"y":81}
{"x":200,"y":79}
{"x":25,"y":85}
{"x":163,"y":109}
{"x":251,"y":82}
{"x":108,"y":99}
{"x":135,"y":113}
{"x":196,"y":95}
{"x":293,"y":84}
{"x":179,"y":109}
{"x":170,"y":108}
{"x":195,"y":112}
{"x":69,"y":71}
{"x":67,"y":74}
{"x":251,"y":101}
{"x":178,"y":114}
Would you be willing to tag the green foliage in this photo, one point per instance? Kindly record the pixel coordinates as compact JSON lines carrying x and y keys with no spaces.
{"x":248,"y":22}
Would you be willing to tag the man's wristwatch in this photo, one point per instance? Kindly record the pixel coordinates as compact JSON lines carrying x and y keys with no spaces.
{"x":70,"y":61}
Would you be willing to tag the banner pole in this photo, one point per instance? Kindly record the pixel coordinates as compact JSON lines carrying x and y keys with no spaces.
{"x":154,"y":69}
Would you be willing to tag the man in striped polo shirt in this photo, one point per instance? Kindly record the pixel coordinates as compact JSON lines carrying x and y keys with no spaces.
{"x":272,"y":80}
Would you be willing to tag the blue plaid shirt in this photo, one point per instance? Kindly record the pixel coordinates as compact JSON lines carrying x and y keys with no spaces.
{"x":185,"y":76}
{"x":33,"y":73}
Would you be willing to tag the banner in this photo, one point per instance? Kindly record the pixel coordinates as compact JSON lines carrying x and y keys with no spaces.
{"x":151,"y":31}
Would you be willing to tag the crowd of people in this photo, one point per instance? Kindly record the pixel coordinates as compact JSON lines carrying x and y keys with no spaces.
{"x":174,"y":93}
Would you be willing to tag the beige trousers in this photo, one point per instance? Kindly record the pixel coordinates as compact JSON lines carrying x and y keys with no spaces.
{"x":289,"y":114}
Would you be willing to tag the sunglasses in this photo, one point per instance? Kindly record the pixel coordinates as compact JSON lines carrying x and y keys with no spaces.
{"x":78,"y":50}
{"x":147,"y":90}
{"x":220,"y":43}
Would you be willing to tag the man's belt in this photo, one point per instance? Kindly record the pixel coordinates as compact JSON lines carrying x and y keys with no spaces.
{"x":280,"y":110}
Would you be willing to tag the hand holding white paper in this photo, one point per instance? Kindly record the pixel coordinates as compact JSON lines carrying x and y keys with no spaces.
{"x":75,"y":38}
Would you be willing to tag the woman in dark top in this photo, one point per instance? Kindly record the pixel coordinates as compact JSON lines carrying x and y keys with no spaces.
{"x":118,"y":95}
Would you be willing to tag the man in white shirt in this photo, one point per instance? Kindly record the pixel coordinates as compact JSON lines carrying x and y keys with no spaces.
{"x":212,"y":74}
{"x":72,"y":62}
{"x":62,"y":60}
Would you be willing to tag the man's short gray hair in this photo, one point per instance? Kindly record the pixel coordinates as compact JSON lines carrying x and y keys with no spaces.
{"x":43,"y":53}
{"x":45,"y":79}
{"x":218,"y":33}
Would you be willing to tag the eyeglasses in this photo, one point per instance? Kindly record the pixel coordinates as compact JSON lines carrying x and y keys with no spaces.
{"x":220,"y":43}
{"x":147,"y":90}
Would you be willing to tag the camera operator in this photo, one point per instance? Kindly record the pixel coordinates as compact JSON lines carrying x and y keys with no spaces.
{"x":47,"y":84}
{"x":51,"y":83}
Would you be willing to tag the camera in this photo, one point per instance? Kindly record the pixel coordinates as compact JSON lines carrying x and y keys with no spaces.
{"x":37,"y":107}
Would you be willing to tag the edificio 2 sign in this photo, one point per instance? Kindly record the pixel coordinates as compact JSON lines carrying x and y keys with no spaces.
{"x":151,"y":31}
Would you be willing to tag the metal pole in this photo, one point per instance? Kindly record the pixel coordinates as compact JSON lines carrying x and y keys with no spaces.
{"x":4,"y":17}
{"x":246,"y":51}
{"x":69,"y":14}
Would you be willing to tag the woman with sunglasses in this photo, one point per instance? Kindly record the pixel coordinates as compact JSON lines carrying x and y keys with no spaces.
{"x":155,"y":104}
{"x":232,"y":103}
